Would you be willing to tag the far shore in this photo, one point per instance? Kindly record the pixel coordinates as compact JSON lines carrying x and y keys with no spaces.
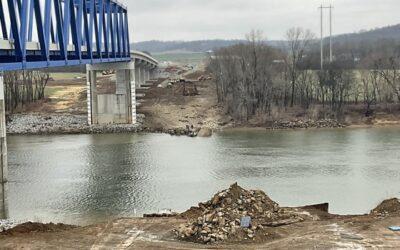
{"x":64,"y":124}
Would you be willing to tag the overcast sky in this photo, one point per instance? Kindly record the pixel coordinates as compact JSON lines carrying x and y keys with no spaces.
{"x":232,"y":19}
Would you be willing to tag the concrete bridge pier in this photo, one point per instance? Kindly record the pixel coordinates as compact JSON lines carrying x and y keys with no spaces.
{"x":142,"y":74}
{"x":147,"y":74}
{"x":112,"y":108}
{"x":153,"y":73}
{"x":138,"y":75}
{"x":3,"y":140}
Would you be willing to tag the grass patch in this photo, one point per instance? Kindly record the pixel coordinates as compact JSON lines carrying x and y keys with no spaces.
{"x":66,"y":75}
{"x":185,"y":58}
{"x":52,"y":91}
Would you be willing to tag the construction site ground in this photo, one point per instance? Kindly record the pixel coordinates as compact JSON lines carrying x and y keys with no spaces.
{"x":329,"y":232}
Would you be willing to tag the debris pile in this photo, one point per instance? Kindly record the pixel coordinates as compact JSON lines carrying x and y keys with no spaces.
{"x":189,"y":89}
{"x":161,"y":214}
{"x":233,"y":215}
{"x":387,"y":207}
{"x":6,"y":225}
{"x":33,"y":227}
{"x":203,"y":78}
{"x":299,"y":124}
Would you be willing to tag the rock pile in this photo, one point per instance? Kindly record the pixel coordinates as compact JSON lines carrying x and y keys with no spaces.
{"x":64,"y":124}
{"x":6,"y":225}
{"x":296,"y":124}
{"x":190,"y":131}
{"x":233,"y":215}
{"x":387,"y":207}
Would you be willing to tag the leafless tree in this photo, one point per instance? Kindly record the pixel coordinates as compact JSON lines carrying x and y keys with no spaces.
{"x":23,"y":87}
{"x":298,"y":41}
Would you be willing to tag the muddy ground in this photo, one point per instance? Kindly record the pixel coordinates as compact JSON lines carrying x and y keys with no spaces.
{"x":168,"y":108}
{"x":325,"y":232}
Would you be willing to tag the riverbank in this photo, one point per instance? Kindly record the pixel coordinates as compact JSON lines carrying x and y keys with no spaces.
{"x":165,"y":109}
{"x":270,"y":227}
{"x":58,"y":124}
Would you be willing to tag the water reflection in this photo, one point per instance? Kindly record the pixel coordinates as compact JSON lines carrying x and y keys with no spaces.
{"x":92,"y":178}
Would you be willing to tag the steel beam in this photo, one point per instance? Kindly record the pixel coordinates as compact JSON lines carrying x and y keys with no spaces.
{"x":85,"y":31}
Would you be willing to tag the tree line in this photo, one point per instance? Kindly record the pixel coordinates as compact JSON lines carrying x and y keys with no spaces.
{"x":24,"y":87}
{"x":253,"y":78}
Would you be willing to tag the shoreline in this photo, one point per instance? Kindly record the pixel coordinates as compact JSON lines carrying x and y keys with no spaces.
{"x":70,"y":124}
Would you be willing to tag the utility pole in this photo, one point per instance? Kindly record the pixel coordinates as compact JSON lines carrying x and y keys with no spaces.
{"x":330,"y":36}
{"x":322,"y":34}
{"x":322,"y":37}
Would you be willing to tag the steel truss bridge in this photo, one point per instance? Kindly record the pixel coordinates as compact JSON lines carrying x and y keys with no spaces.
{"x":38,"y":34}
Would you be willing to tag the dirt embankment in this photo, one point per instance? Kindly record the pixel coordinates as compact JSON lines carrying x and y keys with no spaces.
{"x":232,"y":219}
{"x":168,"y":109}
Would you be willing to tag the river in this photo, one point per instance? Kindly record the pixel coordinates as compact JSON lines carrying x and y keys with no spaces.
{"x":83,"y":179}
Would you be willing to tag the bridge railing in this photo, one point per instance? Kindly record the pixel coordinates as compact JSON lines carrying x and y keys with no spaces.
{"x":50,"y":33}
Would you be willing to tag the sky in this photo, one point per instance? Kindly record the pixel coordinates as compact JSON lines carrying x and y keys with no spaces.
{"x":232,"y":19}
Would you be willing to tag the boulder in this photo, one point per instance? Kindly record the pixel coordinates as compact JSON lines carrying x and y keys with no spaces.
{"x":205,"y":132}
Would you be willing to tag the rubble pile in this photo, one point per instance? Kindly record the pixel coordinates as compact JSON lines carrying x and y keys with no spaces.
{"x":234,"y":214}
{"x":32,"y":124}
{"x":387,"y":207}
{"x":203,"y":78}
{"x":6,"y":225}
{"x":299,"y":124}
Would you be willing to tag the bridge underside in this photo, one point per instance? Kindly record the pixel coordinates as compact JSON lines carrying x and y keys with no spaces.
{"x":51,"y":33}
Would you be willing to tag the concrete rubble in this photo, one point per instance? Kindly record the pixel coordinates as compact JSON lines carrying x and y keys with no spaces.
{"x":387,"y":207}
{"x":223,"y":218}
{"x":6,"y":225}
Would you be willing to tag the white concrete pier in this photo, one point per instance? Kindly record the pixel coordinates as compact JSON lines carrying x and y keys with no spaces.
{"x":3,"y":139}
{"x":113,"y":108}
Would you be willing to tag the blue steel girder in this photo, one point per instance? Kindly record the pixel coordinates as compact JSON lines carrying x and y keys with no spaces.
{"x":52,"y":33}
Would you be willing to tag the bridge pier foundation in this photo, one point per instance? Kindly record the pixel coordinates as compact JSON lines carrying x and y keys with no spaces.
{"x":118,"y":107}
{"x":3,"y":140}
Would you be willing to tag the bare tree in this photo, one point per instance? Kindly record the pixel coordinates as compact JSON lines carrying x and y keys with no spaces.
{"x":371,"y":81}
{"x":244,"y":76}
{"x":298,"y":41}
{"x":24,"y":87}
{"x":390,"y":73}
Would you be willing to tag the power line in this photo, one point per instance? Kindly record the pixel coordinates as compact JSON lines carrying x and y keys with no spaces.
{"x":330,"y":7}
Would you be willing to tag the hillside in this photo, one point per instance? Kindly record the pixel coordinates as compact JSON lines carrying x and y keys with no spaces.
{"x":183,"y":46}
{"x":388,"y":33}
